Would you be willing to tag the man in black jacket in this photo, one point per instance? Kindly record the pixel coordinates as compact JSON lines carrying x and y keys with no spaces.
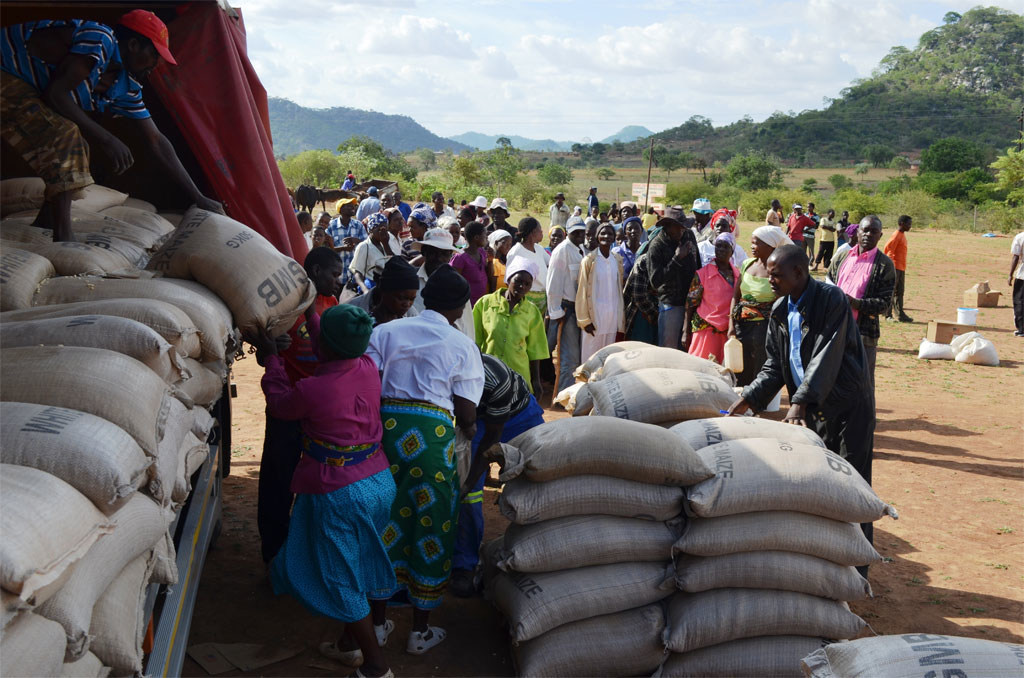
{"x":672,"y":261}
{"x":814,"y":349}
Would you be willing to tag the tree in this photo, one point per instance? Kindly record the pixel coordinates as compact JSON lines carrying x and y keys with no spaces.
{"x":899,"y":163}
{"x":670,"y":162}
{"x":605,"y":173}
{"x":861,"y":168}
{"x":840,"y":181}
{"x":316,"y":168}
{"x":951,"y":18}
{"x":878,"y":154}
{"x":809,"y":184}
{"x":464,"y":170}
{"x":1010,"y":175}
{"x":503,"y":164}
{"x":754,"y":171}
{"x":659,"y":154}
{"x":554,"y":174}
{"x":427,"y":157}
{"x":952,"y":154}
{"x":701,"y":164}
{"x":383,"y":163}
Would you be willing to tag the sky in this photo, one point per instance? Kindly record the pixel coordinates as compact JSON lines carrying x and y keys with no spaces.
{"x":577,"y":71}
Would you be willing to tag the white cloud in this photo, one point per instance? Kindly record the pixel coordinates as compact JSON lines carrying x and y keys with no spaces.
{"x":414,"y":36}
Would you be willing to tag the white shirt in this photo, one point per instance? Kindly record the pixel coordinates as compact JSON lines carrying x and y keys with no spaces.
{"x":368,"y":260}
{"x":563,"y":277}
{"x":1018,"y":248}
{"x":539,"y":256}
{"x":425,"y":358}
{"x":559,"y":215}
{"x":706,"y":248}
{"x":367,"y":207}
{"x":308,"y":235}
{"x":463,"y":324}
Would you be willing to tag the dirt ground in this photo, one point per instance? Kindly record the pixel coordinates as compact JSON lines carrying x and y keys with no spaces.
{"x":948,"y":455}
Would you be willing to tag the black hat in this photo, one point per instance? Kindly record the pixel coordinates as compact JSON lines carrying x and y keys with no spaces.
{"x":398,"y":274}
{"x":445,"y":290}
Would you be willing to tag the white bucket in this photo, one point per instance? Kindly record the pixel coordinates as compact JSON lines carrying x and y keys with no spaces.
{"x":775,"y":404}
{"x":966,"y":316}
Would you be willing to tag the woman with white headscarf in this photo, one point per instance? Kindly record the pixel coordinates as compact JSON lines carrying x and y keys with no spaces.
{"x":753,"y":299}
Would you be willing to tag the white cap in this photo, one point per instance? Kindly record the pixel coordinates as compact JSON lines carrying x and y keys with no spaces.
{"x":497,"y":236}
{"x":702,"y":206}
{"x":499,"y":202}
{"x":797,"y":206}
{"x":575,"y":224}
{"x":436,"y":237}
{"x":479,"y":201}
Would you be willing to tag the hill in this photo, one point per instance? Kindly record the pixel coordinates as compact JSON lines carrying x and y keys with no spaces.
{"x":487,"y":142}
{"x":296,"y":129}
{"x":627,"y":134}
{"x":964,"y":78}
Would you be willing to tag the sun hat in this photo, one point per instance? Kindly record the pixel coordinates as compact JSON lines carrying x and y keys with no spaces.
{"x":439,"y":238}
{"x":499,"y":203}
{"x":479,"y":201}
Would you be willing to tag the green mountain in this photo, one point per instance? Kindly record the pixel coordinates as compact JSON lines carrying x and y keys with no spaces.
{"x":487,"y":142}
{"x":964,"y":78}
{"x":627,"y":134}
{"x":296,"y":129}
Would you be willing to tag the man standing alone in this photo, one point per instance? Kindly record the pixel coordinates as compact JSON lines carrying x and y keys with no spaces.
{"x":592,"y":202}
{"x":1016,"y":281}
{"x":559,"y":211}
{"x":896,"y":249}
{"x":796,"y":224}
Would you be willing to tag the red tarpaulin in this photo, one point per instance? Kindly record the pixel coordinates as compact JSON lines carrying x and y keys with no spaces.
{"x":220,"y":107}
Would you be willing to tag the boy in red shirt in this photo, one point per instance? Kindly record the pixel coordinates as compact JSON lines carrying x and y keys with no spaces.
{"x":896,"y":249}
{"x":796,"y":223}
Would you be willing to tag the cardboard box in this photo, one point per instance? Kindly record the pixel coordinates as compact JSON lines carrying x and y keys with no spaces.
{"x":974,"y":299}
{"x":943,"y":331}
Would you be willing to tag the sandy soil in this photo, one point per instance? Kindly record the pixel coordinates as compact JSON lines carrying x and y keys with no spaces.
{"x":948,"y":455}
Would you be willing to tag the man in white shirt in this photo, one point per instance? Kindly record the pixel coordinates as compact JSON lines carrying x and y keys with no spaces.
{"x":559,"y":211}
{"x":437,"y":248}
{"x":369,"y":205}
{"x":562,"y":282}
{"x":1016,"y":281}
{"x":439,"y":208}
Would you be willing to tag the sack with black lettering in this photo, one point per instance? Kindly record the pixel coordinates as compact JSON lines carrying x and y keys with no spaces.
{"x":762,"y":656}
{"x":656,"y":395}
{"x":916,"y":654}
{"x":760,"y":474}
{"x":21,"y":271}
{"x":656,"y":357}
{"x":700,"y":433}
{"x":592,"y":364}
{"x":262,"y":287}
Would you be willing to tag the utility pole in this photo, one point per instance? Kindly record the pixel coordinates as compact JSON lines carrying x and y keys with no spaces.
{"x":650,"y":162}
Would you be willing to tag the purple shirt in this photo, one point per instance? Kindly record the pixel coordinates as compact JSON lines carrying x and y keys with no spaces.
{"x":474,"y":270}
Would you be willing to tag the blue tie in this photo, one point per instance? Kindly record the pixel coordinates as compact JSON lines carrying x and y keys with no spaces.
{"x":796,"y":364}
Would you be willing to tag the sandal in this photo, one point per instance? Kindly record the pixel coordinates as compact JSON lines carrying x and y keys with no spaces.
{"x":346,"y":657}
{"x":384,"y":631}
{"x":421,"y":641}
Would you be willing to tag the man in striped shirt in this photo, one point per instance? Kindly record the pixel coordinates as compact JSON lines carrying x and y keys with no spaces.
{"x":507,"y":408}
{"x":55,"y":76}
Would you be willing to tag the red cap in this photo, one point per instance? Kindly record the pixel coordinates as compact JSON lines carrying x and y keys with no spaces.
{"x":147,"y":24}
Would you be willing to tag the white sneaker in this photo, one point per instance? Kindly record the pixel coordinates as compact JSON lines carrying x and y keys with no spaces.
{"x":421,"y":641}
{"x":383,"y":631}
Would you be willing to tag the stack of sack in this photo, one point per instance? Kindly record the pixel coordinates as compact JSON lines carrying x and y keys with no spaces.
{"x":107,"y":381}
{"x":584,"y":568}
{"x":768,"y":557}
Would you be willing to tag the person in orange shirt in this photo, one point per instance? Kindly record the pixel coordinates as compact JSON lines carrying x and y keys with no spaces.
{"x":896,"y":249}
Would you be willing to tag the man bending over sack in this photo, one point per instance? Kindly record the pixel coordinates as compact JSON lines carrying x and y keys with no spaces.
{"x":814,"y":349}
{"x":54,"y":75}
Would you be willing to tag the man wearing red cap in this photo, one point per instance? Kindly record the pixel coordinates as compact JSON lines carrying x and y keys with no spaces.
{"x":54,"y":76}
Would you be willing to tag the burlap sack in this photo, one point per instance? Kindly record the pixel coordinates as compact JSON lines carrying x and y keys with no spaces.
{"x":139,"y":204}
{"x":603,"y":446}
{"x":10,"y":606}
{"x":21,"y":271}
{"x":89,"y":666}
{"x":202,"y":424}
{"x":140,"y":218}
{"x":165,"y":319}
{"x":833,"y":540}
{"x":658,"y":395}
{"x":567,"y":396}
{"x":204,"y":385}
{"x":207,"y":313}
{"x":118,"y":625}
{"x":47,"y":527}
{"x":763,"y":656}
{"x":262,"y":287}
{"x":191,"y":456}
{"x":94,"y":456}
{"x":22,"y":193}
{"x":537,"y":603}
{"x":20,"y":229}
{"x":655,"y":357}
{"x":165,"y":564}
{"x":916,"y":654}
{"x":577,"y":541}
{"x":168,"y":466}
{"x":584,"y":401}
{"x":77,"y":258}
{"x":31,"y":646}
{"x":94,"y":198}
{"x":84,"y":221}
{"x":700,"y":433}
{"x":697,"y":620}
{"x":771,"y":570}
{"x":622,"y":644}
{"x":595,"y":362}
{"x":120,"y":335}
{"x":765,"y":475}
{"x":140,"y":523}
{"x":173,"y":217}
{"x":525,"y":502}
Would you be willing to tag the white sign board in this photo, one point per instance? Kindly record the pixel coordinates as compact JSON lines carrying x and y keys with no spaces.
{"x":657,"y":191}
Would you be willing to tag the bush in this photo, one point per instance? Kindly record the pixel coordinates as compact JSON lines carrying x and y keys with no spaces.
{"x":958,"y":185}
{"x":686,"y":192}
{"x":858,"y":203}
{"x":554,"y":174}
{"x":755,"y":204}
{"x":754,"y":171}
{"x":952,"y":154}
{"x":840,"y":181}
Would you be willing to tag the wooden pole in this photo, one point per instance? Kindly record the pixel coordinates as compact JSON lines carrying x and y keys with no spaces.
{"x":650,"y":163}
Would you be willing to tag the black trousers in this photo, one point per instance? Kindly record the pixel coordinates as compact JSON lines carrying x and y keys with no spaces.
{"x":274,"y":502}
{"x":752,"y":334}
{"x":851,"y":435}
{"x":825,"y":250}
{"x":1018,"y":304}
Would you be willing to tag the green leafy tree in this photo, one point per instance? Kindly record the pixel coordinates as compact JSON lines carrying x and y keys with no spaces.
{"x":1010,"y":175}
{"x":427,"y":157}
{"x":554,"y":174}
{"x":671,"y":162}
{"x":605,"y":173}
{"x":383,"y":163}
{"x":879,"y":154}
{"x":952,"y":154}
{"x":809,"y":184}
{"x":464,"y":171}
{"x":861,"y":168}
{"x":753,"y":171}
{"x":319,"y":168}
{"x":503,"y":164}
{"x":900,"y":163}
{"x":840,"y":181}
{"x":660,"y":153}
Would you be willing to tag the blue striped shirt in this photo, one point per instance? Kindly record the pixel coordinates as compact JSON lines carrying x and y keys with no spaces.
{"x":123,"y":97}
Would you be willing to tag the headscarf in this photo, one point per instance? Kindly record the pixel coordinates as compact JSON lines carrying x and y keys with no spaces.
{"x":398,"y":274}
{"x":520,"y":264}
{"x":375,"y":220}
{"x":425,"y":217}
{"x":497,"y":236}
{"x":576,"y":211}
{"x":346,"y":330}
{"x":851,"y":230}
{"x":445,"y":289}
{"x":726,"y":237}
{"x":773,"y":236}
{"x":729,"y":215}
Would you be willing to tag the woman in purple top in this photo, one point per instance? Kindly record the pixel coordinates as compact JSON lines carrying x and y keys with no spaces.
{"x":472,"y":262}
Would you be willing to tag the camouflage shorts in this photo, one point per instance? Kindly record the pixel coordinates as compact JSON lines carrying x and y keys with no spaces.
{"x":51,"y":144}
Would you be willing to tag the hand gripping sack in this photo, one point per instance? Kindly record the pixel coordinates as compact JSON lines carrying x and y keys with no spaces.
{"x":593,"y":364}
{"x":656,"y":395}
{"x":21,"y":271}
{"x":835,"y":541}
{"x":262,"y":287}
{"x":762,"y":656}
{"x":915,"y":654}
{"x":621,"y":644}
{"x":765,"y":475}
{"x":537,"y":603}
{"x":697,"y":620}
{"x":656,"y":357}
{"x":48,"y":526}
{"x":699,"y":433}
{"x":603,"y":446}
{"x":526,"y":502}
{"x":96,"y":457}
